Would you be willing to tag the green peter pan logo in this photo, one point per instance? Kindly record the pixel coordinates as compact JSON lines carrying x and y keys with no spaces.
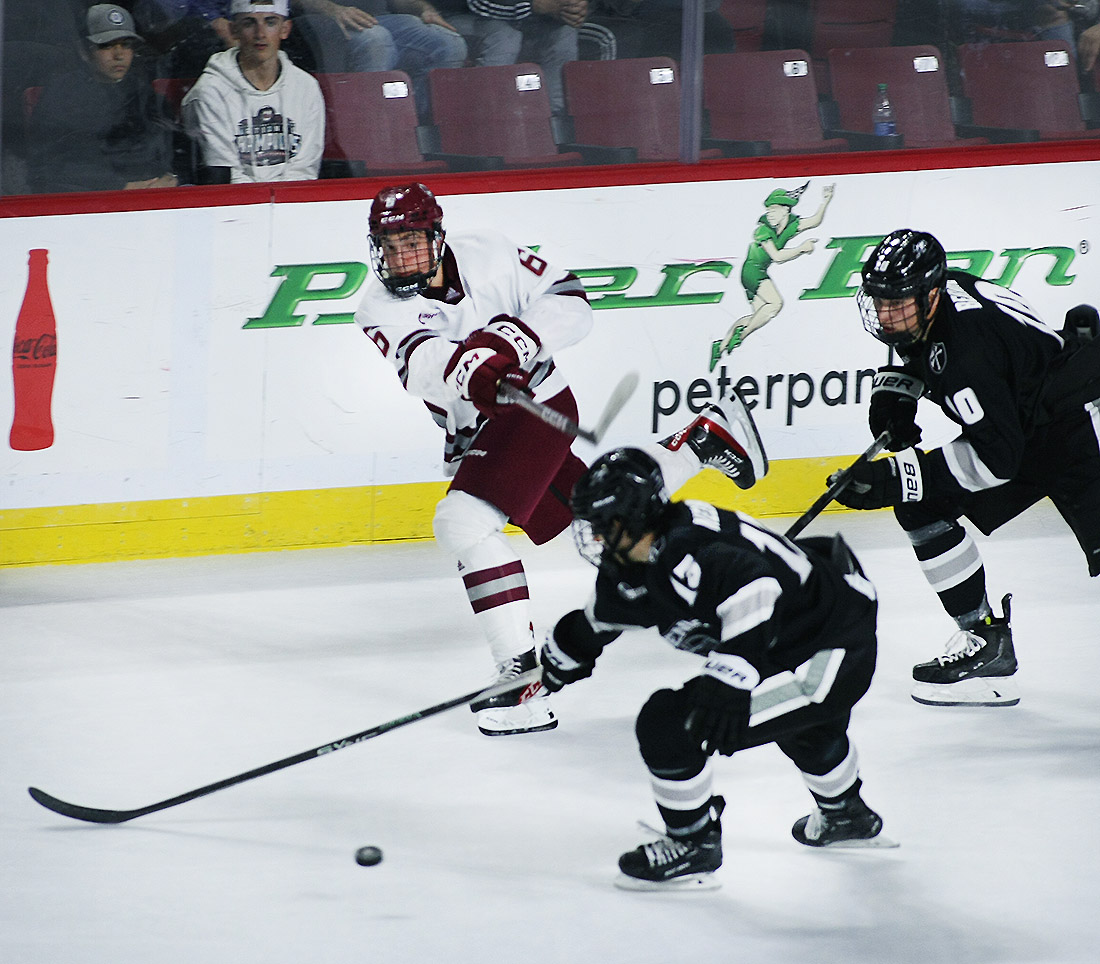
{"x":312,"y":285}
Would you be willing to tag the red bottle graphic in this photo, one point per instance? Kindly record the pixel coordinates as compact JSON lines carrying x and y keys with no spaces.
{"x":34,"y":361}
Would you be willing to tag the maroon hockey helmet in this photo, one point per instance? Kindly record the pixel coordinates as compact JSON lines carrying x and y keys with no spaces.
{"x":409,"y":207}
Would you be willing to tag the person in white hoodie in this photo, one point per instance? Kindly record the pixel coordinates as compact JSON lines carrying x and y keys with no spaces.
{"x":254,"y":115}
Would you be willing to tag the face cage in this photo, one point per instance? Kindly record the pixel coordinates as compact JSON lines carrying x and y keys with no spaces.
{"x":407,"y":285}
{"x":903,"y":339}
{"x":595,"y":550}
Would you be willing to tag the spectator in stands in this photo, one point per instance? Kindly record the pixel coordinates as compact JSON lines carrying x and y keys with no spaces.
{"x":1074,"y":22}
{"x":408,"y":35}
{"x":256,"y":116}
{"x":185,"y":33}
{"x":654,"y":28}
{"x":501,"y":32}
{"x":101,"y":127}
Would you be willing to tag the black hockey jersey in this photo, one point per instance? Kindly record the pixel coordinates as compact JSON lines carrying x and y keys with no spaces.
{"x":986,"y":362}
{"x":718,"y":581}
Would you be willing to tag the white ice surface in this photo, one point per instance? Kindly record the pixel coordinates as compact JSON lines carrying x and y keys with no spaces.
{"x":124,"y":684}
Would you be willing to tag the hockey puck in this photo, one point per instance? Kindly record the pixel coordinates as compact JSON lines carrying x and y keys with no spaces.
{"x":368,"y":856}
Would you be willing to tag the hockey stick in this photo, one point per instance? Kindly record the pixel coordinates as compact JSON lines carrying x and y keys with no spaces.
{"x":839,"y":484}
{"x":619,"y":397}
{"x":528,"y":683}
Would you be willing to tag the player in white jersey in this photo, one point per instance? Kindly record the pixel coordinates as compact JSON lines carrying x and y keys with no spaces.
{"x":457,"y":317}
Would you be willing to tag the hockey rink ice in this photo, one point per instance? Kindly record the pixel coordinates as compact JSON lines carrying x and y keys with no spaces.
{"x":122,"y":684}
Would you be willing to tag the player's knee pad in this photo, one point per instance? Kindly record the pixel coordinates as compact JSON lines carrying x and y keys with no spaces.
{"x":662,"y":740}
{"x":463,"y":520}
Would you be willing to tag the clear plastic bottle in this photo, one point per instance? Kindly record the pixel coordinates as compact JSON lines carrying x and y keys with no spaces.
{"x":882,"y":114}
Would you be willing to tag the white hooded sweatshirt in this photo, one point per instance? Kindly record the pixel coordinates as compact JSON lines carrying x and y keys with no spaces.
{"x":261,"y":135}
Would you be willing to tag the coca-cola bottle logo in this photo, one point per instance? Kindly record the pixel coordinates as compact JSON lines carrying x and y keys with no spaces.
{"x":44,"y":347}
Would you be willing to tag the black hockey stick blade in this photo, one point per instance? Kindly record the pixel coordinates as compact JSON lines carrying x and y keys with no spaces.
{"x":619,"y":397}
{"x":838,"y":486}
{"x":528,"y":684}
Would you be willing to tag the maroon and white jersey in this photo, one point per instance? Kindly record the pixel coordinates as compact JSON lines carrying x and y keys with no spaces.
{"x":485,"y":275}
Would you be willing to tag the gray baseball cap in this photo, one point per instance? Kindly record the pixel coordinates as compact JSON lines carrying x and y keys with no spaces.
{"x":107,"y":23}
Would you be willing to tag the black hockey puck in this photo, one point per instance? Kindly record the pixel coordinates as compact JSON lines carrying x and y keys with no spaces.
{"x":368,"y":856}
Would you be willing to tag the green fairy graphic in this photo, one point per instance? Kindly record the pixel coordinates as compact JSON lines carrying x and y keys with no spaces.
{"x":776,"y":228}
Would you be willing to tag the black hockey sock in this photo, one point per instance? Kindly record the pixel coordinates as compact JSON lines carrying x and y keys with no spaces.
{"x":948,"y":556}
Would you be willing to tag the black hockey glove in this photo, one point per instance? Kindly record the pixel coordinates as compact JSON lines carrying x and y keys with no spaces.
{"x":884,"y":482}
{"x":570,"y":652}
{"x":894,"y":394}
{"x":719,"y":701}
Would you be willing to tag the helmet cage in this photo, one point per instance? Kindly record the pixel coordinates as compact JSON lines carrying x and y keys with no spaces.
{"x":397,"y":210}
{"x":906,"y":264}
{"x":615,"y":503}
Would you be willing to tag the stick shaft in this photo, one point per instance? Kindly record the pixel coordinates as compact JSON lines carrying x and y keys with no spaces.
{"x":620,"y":395}
{"x":837,"y":487}
{"x":523,"y":682}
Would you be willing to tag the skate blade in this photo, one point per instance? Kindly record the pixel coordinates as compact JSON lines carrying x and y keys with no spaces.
{"x":979,"y":691}
{"x":521,"y":729}
{"x":690,"y":883}
{"x":870,"y":843}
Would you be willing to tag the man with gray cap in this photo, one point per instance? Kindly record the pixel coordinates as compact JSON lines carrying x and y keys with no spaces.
{"x":255,"y":115}
{"x":101,"y":127}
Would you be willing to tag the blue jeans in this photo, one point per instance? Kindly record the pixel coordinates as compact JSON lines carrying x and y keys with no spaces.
{"x":404,"y":42}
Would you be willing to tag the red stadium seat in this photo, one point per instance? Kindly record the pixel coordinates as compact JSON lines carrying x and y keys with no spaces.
{"x":371,"y":124}
{"x":767,"y":96}
{"x":916,"y":86}
{"x":496,"y":112}
{"x":1031,"y":84}
{"x":631,"y":103}
{"x":849,"y":23}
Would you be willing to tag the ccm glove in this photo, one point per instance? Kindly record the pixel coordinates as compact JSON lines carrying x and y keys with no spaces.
{"x":894,"y":395}
{"x":570,"y":652}
{"x":884,"y":482}
{"x":489,"y":356}
{"x":718,"y":703}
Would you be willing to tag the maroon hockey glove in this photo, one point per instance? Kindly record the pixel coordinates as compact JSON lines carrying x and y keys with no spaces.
{"x":478,"y":375}
{"x":508,"y":336}
{"x":884,"y":482}
{"x":894,"y":395}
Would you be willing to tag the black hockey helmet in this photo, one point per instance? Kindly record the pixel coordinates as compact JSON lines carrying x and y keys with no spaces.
{"x":410,"y":207}
{"x":620,"y":498}
{"x":905,"y":264}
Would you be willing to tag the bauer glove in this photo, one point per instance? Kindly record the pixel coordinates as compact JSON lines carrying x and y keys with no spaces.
{"x":718,"y":703}
{"x":884,"y":482}
{"x":894,"y":395}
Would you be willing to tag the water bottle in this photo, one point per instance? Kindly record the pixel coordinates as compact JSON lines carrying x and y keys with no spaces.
{"x":882,"y":115}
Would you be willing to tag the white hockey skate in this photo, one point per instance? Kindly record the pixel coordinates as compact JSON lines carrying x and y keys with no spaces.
{"x":724,"y":437}
{"x":505,"y":715}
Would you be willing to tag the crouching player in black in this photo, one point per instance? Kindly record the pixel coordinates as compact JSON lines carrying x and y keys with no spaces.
{"x":787,"y":632}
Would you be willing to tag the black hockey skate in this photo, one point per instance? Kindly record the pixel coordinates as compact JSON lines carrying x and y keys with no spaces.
{"x":725,"y":438}
{"x":853,"y":824}
{"x":505,"y":714}
{"x":976,"y":670}
{"x":677,"y":863}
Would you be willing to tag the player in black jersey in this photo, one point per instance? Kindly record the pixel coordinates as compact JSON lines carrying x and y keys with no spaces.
{"x":787,"y":632}
{"x":1027,"y":401}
